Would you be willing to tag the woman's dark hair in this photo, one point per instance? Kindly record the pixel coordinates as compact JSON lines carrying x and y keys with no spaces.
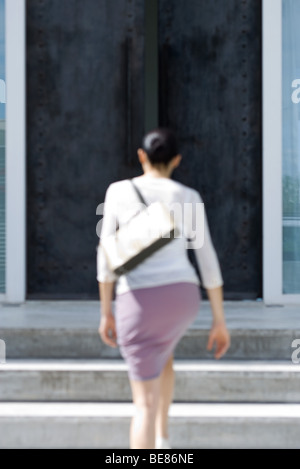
{"x":160,"y":145}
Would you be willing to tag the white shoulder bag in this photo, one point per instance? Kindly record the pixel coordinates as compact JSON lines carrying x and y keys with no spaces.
{"x":145,"y":233}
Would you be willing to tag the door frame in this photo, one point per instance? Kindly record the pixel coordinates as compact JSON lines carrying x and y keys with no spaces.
{"x":272,"y":157}
{"x":15,"y":183}
{"x":16,"y":154}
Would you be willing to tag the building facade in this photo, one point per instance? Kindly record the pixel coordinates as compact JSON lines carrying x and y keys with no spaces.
{"x":80,"y":83}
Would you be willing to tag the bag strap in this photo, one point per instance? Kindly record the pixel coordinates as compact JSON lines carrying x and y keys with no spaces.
{"x":138,"y":193}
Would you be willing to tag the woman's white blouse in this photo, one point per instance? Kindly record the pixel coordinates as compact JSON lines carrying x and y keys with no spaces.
{"x":170,"y":264}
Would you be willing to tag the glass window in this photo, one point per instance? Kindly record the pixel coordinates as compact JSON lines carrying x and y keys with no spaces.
{"x":2,"y":145}
{"x":291,"y":146}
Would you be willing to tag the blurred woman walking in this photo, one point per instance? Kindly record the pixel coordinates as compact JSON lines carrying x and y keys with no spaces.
{"x":157,"y":301}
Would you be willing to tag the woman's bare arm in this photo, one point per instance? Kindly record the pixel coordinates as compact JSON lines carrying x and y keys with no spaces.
{"x":219,"y":335}
{"x":107,"y":328}
{"x":106,"y":292}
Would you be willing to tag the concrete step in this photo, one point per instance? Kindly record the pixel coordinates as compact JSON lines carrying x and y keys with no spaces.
{"x":196,"y":426}
{"x":107,"y":381}
{"x":68,"y":330}
{"x":68,"y":343}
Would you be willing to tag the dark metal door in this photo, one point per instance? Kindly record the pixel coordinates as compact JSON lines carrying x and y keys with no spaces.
{"x":210,"y":93}
{"x":84,"y":122}
{"x":85,"y":115}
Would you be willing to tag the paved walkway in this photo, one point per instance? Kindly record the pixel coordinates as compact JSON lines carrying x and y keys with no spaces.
{"x":85,"y":314}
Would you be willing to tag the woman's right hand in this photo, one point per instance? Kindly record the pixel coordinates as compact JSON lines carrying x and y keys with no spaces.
{"x":107,"y":330}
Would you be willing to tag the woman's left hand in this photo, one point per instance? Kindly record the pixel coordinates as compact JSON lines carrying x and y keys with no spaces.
{"x":107,"y":330}
{"x":220,"y":338}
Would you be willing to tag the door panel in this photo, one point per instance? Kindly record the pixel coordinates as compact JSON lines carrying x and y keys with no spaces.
{"x":85,"y":119}
{"x":85,"y":77}
{"x":210,"y":93}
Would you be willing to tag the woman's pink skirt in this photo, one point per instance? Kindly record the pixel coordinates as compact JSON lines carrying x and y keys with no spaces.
{"x":150,"y":322}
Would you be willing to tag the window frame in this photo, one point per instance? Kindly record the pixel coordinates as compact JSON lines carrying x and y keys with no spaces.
{"x":272,"y":157}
